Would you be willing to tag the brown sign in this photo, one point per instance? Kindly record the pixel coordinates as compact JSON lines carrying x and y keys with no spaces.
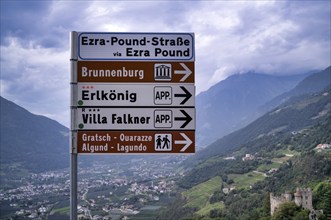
{"x":135,"y":142}
{"x":137,"y":72}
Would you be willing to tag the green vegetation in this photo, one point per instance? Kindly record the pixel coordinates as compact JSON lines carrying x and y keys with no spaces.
{"x":289,"y":210}
{"x":220,"y":168}
{"x":205,"y":211}
{"x":247,"y":179}
{"x":269,"y":166}
{"x":10,"y":173}
{"x":63,"y":210}
{"x":322,"y":198}
{"x":198,"y":196}
{"x":288,"y":152}
{"x":261,"y":134}
{"x":281,"y":160}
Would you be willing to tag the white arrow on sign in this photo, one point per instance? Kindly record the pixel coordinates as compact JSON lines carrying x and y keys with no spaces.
{"x":187,"y":142}
{"x":187,"y":72}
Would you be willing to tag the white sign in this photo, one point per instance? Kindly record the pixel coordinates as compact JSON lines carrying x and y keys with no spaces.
{"x":121,"y":94}
{"x":135,"y":119}
{"x":136,"y":46}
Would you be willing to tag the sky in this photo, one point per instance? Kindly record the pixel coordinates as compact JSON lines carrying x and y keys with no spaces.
{"x":231,"y":37}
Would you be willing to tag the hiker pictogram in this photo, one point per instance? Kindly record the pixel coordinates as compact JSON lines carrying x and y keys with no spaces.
{"x":163,"y":142}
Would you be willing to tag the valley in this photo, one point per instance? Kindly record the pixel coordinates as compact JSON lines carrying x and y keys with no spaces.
{"x":136,"y":188}
{"x":252,"y":173}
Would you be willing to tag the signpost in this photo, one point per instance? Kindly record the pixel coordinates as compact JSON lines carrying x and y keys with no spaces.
{"x":131,"y":93}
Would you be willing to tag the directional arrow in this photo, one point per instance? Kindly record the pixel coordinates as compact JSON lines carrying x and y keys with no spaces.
{"x":187,"y":72}
{"x":187,"y":142}
{"x":187,"y":95}
{"x":187,"y":119}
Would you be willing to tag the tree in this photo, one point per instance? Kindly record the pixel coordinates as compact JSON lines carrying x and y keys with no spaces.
{"x":266,"y":205}
{"x":326,"y":204}
{"x":215,"y":213}
{"x":322,"y":199}
{"x":289,"y":210}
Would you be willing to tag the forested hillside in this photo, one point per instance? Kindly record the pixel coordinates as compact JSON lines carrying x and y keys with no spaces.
{"x":295,"y":114}
{"x":276,"y":153}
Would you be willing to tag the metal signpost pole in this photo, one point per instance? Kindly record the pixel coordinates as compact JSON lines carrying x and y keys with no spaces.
{"x":73,"y":133}
{"x":73,"y":190}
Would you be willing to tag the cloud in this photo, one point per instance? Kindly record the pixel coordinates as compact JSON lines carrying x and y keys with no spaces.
{"x":270,"y":37}
{"x":36,"y":77}
{"x":274,"y":37}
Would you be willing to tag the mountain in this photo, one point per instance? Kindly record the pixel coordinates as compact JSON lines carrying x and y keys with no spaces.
{"x":234,"y":102}
{"x":313,"y":83}
{"x":232,"y":178}
{"x":296,"y":114}
{"x":34,"y":143}
{"x":30,"y":143}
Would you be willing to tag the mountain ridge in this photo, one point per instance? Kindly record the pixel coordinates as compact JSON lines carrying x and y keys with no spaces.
{"x":26,"y":138}
{"x":233,"y":102}
{"x":312,"y":83}
{"x":278,"y":152}
{"x":254,"y":129}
